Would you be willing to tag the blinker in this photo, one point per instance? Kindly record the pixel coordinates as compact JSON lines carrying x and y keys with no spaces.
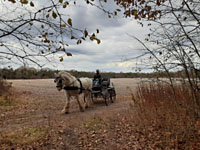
{"x":60,"y":81}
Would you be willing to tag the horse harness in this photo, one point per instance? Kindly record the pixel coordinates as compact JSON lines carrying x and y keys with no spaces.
{"x":73,"y":88}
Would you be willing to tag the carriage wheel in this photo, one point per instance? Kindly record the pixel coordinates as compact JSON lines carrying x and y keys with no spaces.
{"x":93,"y":97}
{"x":106,"y":101}
{"x":112,"y":95}
{"x":106,"y":97}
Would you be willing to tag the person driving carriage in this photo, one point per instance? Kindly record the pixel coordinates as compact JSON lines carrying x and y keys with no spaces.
{"x":97,"y":76}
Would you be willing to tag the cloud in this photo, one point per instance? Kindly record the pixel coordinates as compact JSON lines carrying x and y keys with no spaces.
{"x":116,"y":44}
{"x":126,"y":64}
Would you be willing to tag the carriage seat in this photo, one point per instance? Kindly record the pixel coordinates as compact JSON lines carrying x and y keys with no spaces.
{"x":105,"y":82}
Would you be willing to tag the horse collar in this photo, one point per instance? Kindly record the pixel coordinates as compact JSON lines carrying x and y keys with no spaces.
{"x":81,"y":86}
{"x":75,"y":87}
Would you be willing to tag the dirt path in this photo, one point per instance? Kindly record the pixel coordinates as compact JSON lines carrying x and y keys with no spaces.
{"x":39,"y":103}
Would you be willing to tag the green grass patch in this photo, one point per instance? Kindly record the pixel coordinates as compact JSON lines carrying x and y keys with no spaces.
{"x":94,"y":124}
{"x":26,"y":136}
{"x":6,"y":101}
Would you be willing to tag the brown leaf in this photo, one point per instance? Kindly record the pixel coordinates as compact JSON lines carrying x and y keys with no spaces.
{"x":69,"y":21}
{"x":65,"y":5}
{"x":98,"y":41}
{"x":61,"y":59}
{"x":69,"y":54}
{"x":86,"y":33}
{"x":78,"y":42}
{"x":54,"y":15}
{"x":24,"y":1}
{"x":32,"y":4}
{"x":47,"y":16}
{"x":13,"y":1}
{"x":63,"y":25}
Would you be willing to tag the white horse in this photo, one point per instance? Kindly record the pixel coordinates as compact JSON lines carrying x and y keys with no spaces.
{"x":74,"y":87}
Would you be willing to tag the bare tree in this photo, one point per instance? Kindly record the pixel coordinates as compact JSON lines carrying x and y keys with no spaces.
{"x":33,"y":29}
{"x":175,"y":35}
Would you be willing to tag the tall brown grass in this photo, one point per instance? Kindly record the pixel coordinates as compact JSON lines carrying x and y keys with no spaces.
{"x":3,"y":89}
{"x":5,"y":94}
{"x":171,"y":113}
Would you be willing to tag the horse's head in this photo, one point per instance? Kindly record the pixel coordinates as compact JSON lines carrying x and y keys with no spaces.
{"x":62,"y":79}
{"x":59,"y":83}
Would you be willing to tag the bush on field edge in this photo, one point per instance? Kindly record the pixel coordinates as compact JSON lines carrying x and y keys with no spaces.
{"x":5,"y":94}
{"x":171,"y":113}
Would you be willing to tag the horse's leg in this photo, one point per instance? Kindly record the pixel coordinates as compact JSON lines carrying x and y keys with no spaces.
{"x":88,"y":99}
{"x":67,"y":104}
{"x":82,"y":108}
{"x":85,"y":100}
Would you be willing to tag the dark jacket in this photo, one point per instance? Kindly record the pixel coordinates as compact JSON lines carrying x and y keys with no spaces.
{"x":97,"y":76}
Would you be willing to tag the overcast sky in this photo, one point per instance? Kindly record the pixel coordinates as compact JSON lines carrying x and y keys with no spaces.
{"x":116,"y":44}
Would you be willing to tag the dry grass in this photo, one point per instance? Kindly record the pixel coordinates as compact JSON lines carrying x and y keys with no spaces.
{"x":2,"y":87}
{"x":5,"y":94}
{"x":38,"y":103}
{"x":26,"y":136}
{"x":156,"y":120}
{"x":171,"y":115}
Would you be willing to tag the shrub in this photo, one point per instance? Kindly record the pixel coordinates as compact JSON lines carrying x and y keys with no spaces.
{"x":5,"y":94}
{"x":170,"y":112}
{"x":2,"y":87}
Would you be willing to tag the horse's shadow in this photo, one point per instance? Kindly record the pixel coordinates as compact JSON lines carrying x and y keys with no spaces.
{"x":99,"y":103}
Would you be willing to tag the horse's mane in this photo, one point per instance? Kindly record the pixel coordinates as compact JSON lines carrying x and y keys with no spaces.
{"x":66,"y":76}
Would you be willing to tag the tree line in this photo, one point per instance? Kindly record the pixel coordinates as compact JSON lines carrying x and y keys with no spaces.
{"x":32,"y":73}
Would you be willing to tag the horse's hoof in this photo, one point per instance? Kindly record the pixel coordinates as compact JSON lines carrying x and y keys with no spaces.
{"x":64,"y":112}
{"x":82,"y":110}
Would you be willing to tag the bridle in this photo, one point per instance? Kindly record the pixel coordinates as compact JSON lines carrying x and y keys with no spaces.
{"x":59,"y":79}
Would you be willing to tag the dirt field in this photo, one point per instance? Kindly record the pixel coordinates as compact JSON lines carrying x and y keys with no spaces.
{"x":38,"y":103}
{"x":39,"y":100}
{"x":32,"y":120}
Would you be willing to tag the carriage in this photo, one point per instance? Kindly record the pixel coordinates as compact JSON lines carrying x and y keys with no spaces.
{"x":91,"y":90}
{"x":102,"y":89}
